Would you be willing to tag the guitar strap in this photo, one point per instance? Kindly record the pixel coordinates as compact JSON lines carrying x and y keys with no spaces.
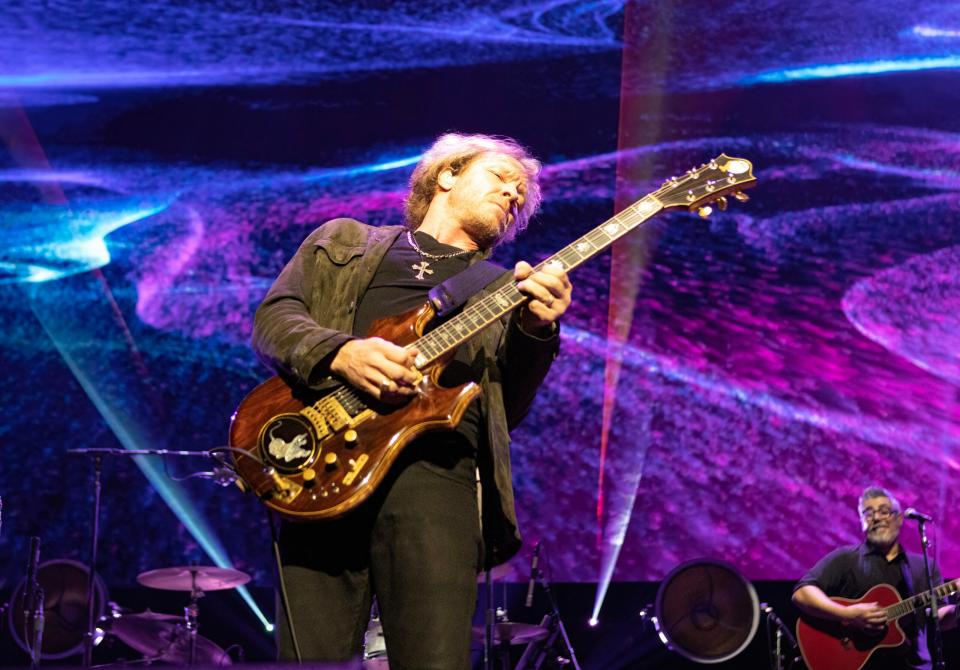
{"x":459,"y":288}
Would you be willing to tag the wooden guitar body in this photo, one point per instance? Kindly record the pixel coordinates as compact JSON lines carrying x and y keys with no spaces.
{"x":316,"y":456}
{"x":833,"y":646}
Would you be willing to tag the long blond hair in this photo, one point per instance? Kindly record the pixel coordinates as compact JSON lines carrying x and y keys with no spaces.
{"x":455,"y":151}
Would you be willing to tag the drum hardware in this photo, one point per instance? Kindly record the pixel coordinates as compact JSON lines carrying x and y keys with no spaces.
{"x":374,"y":643}
{"x":197,"y":580}
{"x":160,"y":637}
{"x":64,"y":605}
{"x":499,"y":633}
{"x":779,"y":656}
{"x":96,"y":457}
{"x":706,"y":611}
{"x":512,"y":632}
{"x":555,"y":621}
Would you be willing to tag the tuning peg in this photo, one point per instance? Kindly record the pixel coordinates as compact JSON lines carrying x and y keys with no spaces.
{"x":722,"y":203}
{"x":705,"y":211}
{"x":741,"y":196}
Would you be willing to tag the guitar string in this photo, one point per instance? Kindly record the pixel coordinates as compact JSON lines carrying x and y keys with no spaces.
{"x":346,"y":395}
{"x":626,"y":217}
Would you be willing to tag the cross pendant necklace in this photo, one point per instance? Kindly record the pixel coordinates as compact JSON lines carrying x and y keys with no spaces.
{"x":421,"y":267}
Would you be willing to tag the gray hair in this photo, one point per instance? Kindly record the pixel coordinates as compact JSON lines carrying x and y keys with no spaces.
{"x":874,"y":491}
{"x":454,"y":151}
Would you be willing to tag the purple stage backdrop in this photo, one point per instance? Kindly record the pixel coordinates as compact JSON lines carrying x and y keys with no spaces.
{"x":160,"y":162}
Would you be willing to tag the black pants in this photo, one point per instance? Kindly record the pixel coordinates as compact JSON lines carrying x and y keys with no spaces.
{"x":415,"y":544}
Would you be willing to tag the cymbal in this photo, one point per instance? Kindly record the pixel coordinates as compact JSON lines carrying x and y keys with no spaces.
{"x":143,"y":631}
{"x":164,"y":637}
{"x":185,"y":578}
{"x":512,"y":632}
{"x":208,"y":652}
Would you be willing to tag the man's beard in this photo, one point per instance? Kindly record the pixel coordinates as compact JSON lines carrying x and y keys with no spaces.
{"x":883,"y":536}
{"x":484,"y":232}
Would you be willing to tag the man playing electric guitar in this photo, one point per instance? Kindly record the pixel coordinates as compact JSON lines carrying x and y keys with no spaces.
{"x":850,"y":635}
{"x":416,"y":543}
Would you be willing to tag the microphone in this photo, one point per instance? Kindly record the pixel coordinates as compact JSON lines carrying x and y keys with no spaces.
{"x":911,"y":513}
{"x":30,"y":597}
{"x":534,"y":562}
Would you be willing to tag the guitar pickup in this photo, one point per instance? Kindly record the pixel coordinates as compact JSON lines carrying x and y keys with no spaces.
{"x":356,"y":464}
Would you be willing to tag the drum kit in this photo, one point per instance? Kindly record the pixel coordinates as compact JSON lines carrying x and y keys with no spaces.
{"x":158,"y":637}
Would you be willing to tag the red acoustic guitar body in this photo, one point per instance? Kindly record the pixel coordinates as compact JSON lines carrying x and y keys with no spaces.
{"x":833,"y":646}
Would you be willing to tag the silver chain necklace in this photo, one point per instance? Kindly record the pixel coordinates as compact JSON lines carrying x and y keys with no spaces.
{"x":434,"y":257}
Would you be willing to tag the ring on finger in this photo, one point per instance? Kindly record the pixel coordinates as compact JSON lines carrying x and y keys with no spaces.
{"x":385,"y":385}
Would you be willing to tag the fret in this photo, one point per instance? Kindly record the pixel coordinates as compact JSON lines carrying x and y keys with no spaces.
{"x":922,"y":599}
{"x":485,"y":311}
{"x":448,"y":339}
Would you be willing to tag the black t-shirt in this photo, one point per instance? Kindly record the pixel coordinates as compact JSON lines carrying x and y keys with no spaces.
{"x":401,"y":284}
{"x":849,"y":572}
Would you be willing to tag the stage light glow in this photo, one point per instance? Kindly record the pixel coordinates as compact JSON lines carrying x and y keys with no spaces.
{"x":357,"y":170}
{"x":835,"y":70}
{"x":292,"y":42}
{"x":47,"y":242}
{"x":930,"y":442}
{"x":593,"y":622}
{"x":931,"y":31}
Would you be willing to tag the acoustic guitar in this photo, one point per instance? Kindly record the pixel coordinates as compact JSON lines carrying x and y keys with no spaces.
{"x":828,"y":645}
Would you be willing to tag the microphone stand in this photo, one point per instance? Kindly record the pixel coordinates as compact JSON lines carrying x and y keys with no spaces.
{"x":781,"y":633}
{"x":96,"y":455}
{"x":33,"y":606}
{"x":937,"y":646}
{"x":555,"y":612}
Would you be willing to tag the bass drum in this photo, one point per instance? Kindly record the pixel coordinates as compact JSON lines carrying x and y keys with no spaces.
{"x":707,"y":611}
{"x":64,"y":585}
{"x":375,"y":647}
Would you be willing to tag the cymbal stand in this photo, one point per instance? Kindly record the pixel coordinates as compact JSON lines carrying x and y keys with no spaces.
{"x":96,"y":455}
{"x":38,"y":621}
{"x":190,"y":614}
{"x":489,"y":620}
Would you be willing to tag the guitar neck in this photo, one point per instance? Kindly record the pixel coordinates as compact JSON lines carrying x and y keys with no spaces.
{"x":504,"y":300}
{"x":708,"y":183}
{"x":921,"y":600}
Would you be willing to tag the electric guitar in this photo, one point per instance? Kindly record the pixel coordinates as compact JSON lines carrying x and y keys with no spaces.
{"x":315,"y":456}
{"x":829,"y":645}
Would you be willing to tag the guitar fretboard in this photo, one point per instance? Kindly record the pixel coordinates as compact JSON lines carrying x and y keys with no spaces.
{"x":913,"y":603}
{"x":492,"y":307}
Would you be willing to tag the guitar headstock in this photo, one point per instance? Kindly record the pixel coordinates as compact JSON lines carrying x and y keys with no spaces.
{"x":710,"y":183}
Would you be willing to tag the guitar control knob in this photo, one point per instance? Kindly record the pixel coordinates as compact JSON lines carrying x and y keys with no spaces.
{"x":309,"y":478}
{"x":330,"y":459}
{"x":350,"y":438}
